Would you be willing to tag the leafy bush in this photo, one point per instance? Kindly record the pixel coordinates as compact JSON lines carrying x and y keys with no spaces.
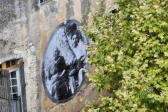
{"x":129,"y":51}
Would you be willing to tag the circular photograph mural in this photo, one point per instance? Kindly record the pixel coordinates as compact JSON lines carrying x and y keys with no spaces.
{"x":64,"y":62}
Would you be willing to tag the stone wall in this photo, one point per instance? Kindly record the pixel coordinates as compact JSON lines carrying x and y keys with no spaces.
{"x":26,"y":26}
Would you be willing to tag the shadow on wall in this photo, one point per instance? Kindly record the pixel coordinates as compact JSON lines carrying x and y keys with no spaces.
{"x":64,"y":62}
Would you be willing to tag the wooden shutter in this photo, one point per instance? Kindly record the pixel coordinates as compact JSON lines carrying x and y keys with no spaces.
{"x":5,"y":105}
{"x":23,"y":85}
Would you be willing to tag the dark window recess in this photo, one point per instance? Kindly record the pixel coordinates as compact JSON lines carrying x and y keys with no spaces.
{"x":14,"y":82}
{"x":13,"y":74}
{"x":0,"y":66}
{"x":13,"y":62}
{"x":15,"y":96}
{"x":7,"y":64}
{"x":114,"y":11}
{"x":14,"y":89}
{"x":43,"y":1}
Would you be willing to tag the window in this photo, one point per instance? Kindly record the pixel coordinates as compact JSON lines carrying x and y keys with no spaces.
{"x":14,"y":87}
{"x":13,"y":62}
{"x":7,"y":64}
{"x":114,"y":8}
{"x":15,"y":75}
{"x":43,"y":1}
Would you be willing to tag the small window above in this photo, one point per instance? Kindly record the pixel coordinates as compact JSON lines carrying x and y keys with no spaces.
{"x":13,"y":62}
{"x":114,"y":8}
{"x":43,"y":1}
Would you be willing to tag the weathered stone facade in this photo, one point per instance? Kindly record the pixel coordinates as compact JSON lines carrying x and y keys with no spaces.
{"x":25,"y":27}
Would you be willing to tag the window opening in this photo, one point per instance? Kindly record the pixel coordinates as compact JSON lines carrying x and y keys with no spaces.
{"x":14,"y":87}
{"x":15,"y":84}
{"x":114,"y":8}
{"x":43,"y":1}
{"x":7,"y":64}
{"x":13,"y":62}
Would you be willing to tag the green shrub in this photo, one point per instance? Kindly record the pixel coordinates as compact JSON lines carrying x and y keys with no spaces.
{"x":130,"y":56}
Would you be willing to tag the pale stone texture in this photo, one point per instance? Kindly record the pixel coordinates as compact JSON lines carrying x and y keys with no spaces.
{"x":25,"y":27}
